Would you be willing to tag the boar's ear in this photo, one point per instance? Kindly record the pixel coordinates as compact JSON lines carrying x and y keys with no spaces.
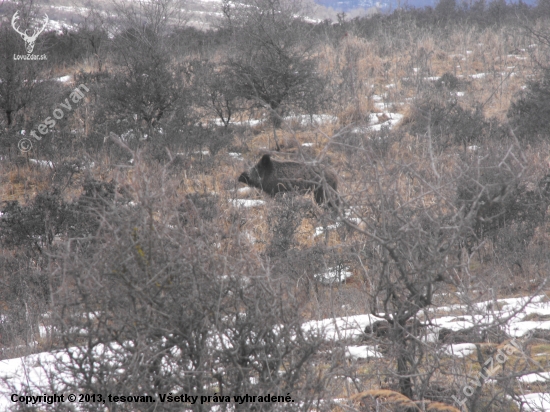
{"x":265,"y":161}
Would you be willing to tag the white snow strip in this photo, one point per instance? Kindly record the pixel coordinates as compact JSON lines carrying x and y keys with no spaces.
{"x":251,"y":122}
{"x":537,"y":305}
{"x":333,"y":275}
{"x":536,"y":402}
{"x":376,"y":122}
{"x":245,"y":190}
{"x":478,"y":75}
{"x":235,"y":155}
{"x":460,"y":349}
{"x":30,"y":374}
{"x":362,"y":352}
{"x":382,"y":105}
{"x":315,"y":120}
{"x":247,"y":202}
{"x":341,"y":328}
{"x":321,"y":230}
{"x":64,"y":79}
{"x":42,"y":163}
{"x":485,"y":315}
{"x":518,"y":329}
{"x":535,"y":377}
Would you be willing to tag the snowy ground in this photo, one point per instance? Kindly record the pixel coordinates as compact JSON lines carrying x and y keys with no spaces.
{"x":378,"y":121}
{"x":333,"y":275}
{"x":32,"y":371}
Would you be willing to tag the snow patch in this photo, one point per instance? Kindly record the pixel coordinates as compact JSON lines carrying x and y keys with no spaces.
{"x":460,"y":349}
{"x":313,"y":120}
{"x":536,"y":402}
{"x":320,"y":230}
{"x":379,"y":120}
{"x":245,"y":190}
{"x":235,"y":155}
{"x":333,"y":275}
{"x":247,"y":202}
{"x":362,"y":352}
{"x":478,"y":75}
{"x":535,"y":377}
{"x":341,"y":328}
{"x":64,"y":79}
{"x":42,"y":163}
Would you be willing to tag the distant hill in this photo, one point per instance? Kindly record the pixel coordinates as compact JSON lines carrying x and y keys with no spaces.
{"x":348,"y":5}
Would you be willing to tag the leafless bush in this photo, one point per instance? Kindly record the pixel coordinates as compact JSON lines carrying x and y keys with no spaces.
{"x":284,"y":219}
{"x":502,"y":201}
{"x":408,"y":240}
{"x":447,"y":122}
{"x":410,"y":227}
{"x":272,"y":63}
{"x":25,"y":291}
{"x":528,"y":113}
{"x":151,"y":303}
{"x":35,"y":225}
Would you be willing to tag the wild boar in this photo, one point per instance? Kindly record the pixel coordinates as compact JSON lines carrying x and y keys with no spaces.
{"x":273,"y":176}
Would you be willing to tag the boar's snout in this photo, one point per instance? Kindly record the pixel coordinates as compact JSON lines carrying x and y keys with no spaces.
{"x":244,"y":178}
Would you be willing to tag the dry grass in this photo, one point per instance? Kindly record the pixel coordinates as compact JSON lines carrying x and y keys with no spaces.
{"x":463,"y":53}
{"x":21,"y":182}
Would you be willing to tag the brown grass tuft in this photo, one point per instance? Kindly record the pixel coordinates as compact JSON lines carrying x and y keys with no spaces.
{"x":386,"y":396}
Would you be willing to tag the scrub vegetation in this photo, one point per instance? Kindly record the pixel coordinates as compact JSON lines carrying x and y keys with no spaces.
{"x":135,"y":262}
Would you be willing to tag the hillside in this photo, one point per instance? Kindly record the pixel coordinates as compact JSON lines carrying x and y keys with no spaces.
{"x":200,"y":14}
{"x":279,"y":214}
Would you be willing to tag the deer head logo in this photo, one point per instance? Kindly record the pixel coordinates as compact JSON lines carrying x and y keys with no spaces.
{"x":29,"y":40}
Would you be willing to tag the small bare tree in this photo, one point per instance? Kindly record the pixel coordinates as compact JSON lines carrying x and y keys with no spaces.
{"x":153,"y":305}
{"x":150,"y":85}
{"x":272,"y":60}
{"x":413,"y":221}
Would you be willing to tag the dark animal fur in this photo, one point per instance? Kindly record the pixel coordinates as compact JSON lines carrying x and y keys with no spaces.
{"x":273,"y":176}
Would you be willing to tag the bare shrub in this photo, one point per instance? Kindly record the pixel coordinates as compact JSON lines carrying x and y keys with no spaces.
{"x":35,"y":225}
{"x":153,"y":302}
{"x":25,"y":293}
{"x":407,"y":242}
{"x":203,"y":204}
{"x":501,"y":203}
{"x":284,"y":219}
{"x":272,"y":64}
{"x":448,"y":81}
{"x":528,"y":114}
{"x":448,"y":123}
